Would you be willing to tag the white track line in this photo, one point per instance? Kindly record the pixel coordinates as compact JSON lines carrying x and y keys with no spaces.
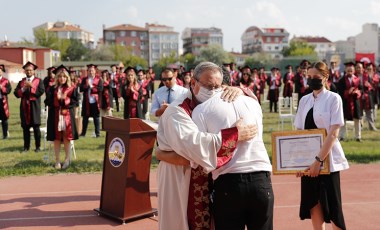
{"x":349,"y":203}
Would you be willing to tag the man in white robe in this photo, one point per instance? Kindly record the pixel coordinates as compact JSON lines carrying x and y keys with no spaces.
{"x":179,"y":133}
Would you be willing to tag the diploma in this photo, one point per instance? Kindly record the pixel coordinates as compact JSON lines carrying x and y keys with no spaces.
{"x":294,"y":151}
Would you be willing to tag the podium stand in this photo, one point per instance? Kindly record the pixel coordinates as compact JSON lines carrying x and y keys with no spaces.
{"x":128,"y":150}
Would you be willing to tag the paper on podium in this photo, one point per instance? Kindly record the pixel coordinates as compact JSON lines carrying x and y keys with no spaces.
{"x":152,"y":124}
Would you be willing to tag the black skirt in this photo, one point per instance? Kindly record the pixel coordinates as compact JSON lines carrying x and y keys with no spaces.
{"x":324,"y":189}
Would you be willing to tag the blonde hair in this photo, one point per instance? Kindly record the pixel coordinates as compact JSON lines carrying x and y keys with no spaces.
{"x":323,"y":69}
{"x":67,"y":76}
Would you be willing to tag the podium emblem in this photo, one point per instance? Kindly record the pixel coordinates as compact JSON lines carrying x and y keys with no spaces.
{"x":116,"y":152}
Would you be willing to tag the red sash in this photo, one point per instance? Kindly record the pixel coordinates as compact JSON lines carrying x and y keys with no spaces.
{"x":4,"y":82}
{"x":198,"y":208}
{"x":26,"y":98}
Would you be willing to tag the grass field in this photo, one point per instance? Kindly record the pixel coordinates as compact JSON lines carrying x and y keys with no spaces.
{"x":90,"y":151}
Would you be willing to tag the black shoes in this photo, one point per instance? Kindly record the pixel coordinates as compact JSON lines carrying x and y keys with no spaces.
{"x":25,"y":150}
{"x":37,"y":150}
{"x":358,"y":140}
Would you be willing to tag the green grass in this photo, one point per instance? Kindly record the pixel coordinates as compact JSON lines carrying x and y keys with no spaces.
{"x":90,"y":151}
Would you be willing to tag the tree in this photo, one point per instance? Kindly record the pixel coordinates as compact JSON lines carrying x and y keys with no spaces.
{"x":167,"y":60}
{"x":46,"y":39}
{"x":76,"y":51}
{"x":214,"y":53}
{"x":258,"y":60}
{"x":189,"y":60}
{"x":299,"y":48}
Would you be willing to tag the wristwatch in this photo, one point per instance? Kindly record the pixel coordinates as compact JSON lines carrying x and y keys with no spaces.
{"x":318,"y":159}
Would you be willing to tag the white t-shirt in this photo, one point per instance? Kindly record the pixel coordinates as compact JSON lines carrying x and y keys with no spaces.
{"x":216,"y":114}
{"x":327,"y":111}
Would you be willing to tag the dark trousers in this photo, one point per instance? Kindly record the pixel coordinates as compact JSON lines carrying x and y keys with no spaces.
{"x":94,"y":113}
{"x":37,"y":136}
{"x":272,"y":100}
{"x":114,"y":93}
{"x":145,"y":106}
{"x":243,"y":200}
{"x":4,"y":125}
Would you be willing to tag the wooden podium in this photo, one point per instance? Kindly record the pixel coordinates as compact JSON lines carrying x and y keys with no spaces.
{"x":125,"y":194}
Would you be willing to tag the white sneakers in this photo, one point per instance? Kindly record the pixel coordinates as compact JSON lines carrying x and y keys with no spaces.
{"x":57,"y":165}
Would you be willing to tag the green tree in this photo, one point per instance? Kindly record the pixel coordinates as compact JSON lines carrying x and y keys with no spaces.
{"x":168,"y":60}
{"x":101,"y":53}
{"x":259,"y":59}
{"x":189,"y":60}
{"x":46,"y":39}
{"x":214,"y":53}
{"x":299,"y":48}
{"x":76,"y":51}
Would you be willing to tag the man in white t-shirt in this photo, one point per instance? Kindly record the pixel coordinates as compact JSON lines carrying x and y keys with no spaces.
{"x":247,"y":164}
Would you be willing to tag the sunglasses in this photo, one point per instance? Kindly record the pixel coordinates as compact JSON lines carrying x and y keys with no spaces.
{"x":167,"y":79}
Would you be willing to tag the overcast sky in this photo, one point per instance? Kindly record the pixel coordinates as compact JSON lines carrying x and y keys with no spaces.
{"x":333,"y":19}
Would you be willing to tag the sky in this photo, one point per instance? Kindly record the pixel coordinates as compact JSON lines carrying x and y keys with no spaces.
{"x":333,"y":19}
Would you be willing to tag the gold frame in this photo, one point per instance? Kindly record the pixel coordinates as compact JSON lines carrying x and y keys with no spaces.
{"x":325,"y":168}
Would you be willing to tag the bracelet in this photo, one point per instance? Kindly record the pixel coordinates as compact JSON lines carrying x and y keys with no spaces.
{"x":318,"y":159}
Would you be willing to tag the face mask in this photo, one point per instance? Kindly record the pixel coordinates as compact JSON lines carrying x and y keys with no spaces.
{"x":204,"y":94}
{"x":315,"y":83}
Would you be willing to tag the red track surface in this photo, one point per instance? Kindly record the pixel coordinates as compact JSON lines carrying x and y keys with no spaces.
{"x":68,"y":200}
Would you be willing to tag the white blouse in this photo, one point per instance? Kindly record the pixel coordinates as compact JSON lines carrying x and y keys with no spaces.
{"x":327,"y":111}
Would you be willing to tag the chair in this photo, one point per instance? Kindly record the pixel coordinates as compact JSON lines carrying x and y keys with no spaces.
{"x":350,"y":125}
{"x":285,"y":111}
{"x":43,"y":130}
{"x":295,"y":102}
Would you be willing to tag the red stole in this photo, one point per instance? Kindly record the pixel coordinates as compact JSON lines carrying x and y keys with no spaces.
{"x":27,"y":97}
{"x":198,"y":207}
{"x":94,"y":92}
{"x":62,"y":107}
{"x":4,"y":82}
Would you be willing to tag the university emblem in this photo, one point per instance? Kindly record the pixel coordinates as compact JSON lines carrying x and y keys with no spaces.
{"x":116,"y":152}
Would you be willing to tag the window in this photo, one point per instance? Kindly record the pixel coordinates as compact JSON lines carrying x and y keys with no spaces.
{"x":133,"y":43}
{"x":268,"y":39}
{"x":110,"y":36}
{"x":155,"y":46}
{"x":123,"y":43}
{"x":276,"y":39}
{"x":174,"y":45}
{"x":143,"y":35}
{"x":122,"y":33}
{"x":133,"y":33}
{"x":276,"y":47}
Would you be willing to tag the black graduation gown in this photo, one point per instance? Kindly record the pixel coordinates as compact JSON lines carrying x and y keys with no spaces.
{"x":30,"y":97}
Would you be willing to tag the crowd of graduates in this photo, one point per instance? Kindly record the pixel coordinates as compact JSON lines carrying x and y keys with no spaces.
{"x":73,"y":101}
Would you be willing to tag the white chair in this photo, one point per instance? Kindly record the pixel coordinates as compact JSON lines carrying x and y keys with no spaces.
{"x":285,"y":111}
{"x":295,"y":102}
{"x":43,"y":129}
{"x":350,"y":125}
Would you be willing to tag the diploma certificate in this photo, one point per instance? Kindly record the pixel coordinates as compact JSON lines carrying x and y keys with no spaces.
{"x":294,"y":151}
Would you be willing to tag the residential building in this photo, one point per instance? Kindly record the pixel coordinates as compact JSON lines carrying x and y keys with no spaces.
{"x":16,"y":56}
{"x":135,"y":38}
{"x":239,"y":58}
{"x":346,"y":47}
{"x":322,"y":45}
{"x":66,"y":30}
{"x":267,"y":40}
{"x":196,"y":38}
{"x":368,"y":40}
{"x":163,"y":41}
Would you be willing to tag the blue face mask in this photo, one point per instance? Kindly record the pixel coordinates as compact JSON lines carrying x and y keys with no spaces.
{"x":205,"y":94}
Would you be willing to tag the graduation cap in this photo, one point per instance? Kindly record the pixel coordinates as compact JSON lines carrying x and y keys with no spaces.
{"x":113,"y":65}
{"x":91,"y":65}
{"x":261,"y":67}
{"x":30,"y":64}
{"x":2,"y":67}
{"x":226,"y":64}
{"x":60,"y":68}
{"x":246,"y":67}
{"x":105,"y":71}
{"x":130,"y":68}
{"x":349,"y":64}
{"x":232,"y":64}
{"x":51,"y":68}
{"x":273,"y":68}
{"x":288,"y":67}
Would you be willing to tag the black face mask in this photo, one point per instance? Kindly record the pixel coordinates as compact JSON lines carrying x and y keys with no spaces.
{"x":315,"y":83}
